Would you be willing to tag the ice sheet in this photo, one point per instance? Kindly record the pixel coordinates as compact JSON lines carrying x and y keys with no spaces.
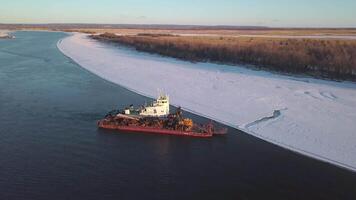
{"x":313,"y":117}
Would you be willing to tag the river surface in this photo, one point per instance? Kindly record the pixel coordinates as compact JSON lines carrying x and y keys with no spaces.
{"x":50,"y":147}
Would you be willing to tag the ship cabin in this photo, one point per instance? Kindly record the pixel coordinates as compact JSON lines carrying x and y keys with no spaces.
{"x":158,"y":108}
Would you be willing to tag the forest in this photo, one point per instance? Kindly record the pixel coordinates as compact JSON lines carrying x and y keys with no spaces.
{"x":323,"y":58}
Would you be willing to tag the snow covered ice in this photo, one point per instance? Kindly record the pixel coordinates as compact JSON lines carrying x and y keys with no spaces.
{"x":310,"y":116}
{"x":4,"y":33}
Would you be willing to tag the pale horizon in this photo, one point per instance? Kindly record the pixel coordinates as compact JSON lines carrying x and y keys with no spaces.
{"x":188,"y":25}
{"x":276,"y":13}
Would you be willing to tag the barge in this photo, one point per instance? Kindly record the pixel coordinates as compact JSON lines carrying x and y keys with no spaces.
{"x":156,"y":119}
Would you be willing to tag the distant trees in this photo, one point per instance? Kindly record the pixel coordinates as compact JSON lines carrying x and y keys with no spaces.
{"x":327,"y":58}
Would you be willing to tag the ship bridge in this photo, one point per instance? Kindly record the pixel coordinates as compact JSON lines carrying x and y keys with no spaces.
{"x":158,"y":108}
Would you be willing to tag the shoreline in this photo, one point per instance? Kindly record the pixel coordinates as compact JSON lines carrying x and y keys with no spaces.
{"x":219,"y":119}
{"x":5,"y":34}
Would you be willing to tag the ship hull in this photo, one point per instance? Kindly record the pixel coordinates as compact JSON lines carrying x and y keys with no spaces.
{"x":139,"y":129}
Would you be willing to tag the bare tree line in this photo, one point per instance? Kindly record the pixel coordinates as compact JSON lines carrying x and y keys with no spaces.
{"x":319,"y":57}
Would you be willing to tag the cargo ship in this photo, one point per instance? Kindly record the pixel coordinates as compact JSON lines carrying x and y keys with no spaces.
{"x":157,"y":119}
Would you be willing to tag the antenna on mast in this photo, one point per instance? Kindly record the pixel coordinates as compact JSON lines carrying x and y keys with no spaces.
{"x":160,"y":93}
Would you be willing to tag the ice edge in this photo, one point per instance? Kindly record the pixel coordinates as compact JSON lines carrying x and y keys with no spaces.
{"x":243,"y":128}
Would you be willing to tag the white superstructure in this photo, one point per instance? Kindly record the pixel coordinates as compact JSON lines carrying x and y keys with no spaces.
{"x":158,"y":108}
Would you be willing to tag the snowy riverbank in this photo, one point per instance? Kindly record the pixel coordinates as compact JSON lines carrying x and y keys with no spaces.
{"x":3,"y":33}
{"x":310,"y":116}
{"x":6,"y":34}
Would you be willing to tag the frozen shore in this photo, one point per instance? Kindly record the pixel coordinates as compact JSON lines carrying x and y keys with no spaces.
{"x":3,"y":33}
{"x":313,"y":117}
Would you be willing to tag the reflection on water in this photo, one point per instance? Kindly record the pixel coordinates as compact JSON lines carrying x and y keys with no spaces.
{"x":50,"y":147}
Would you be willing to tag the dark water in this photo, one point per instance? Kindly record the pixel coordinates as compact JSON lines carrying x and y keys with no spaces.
{"x":50,"y":147}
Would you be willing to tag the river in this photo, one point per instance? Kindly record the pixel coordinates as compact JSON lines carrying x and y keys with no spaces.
{"x":50,"y":147}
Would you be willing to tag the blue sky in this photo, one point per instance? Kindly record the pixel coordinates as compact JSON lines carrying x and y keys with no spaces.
{"x":276,"y":13}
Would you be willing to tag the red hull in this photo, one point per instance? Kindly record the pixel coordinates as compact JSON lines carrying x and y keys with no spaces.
{"x":154,"y":130}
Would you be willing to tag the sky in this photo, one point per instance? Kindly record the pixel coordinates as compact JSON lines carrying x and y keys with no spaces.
{"x":273,"y":13}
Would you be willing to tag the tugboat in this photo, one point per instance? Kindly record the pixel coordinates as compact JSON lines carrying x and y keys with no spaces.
{"x":156,"y":119}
